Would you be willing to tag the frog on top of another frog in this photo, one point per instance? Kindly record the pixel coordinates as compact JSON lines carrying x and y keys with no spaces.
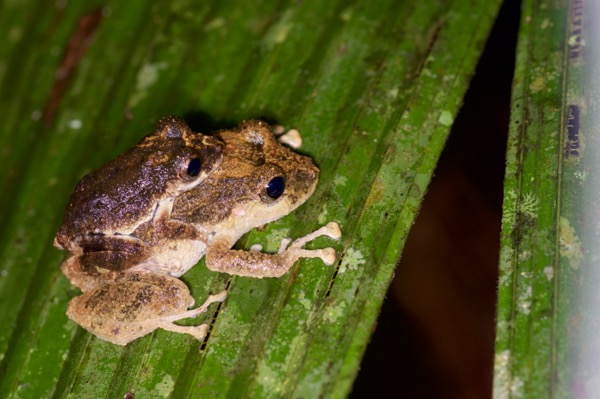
{"x":130,"y":233}
{"x":121,"y":211}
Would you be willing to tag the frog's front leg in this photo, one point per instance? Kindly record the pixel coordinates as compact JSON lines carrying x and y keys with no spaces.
{"x":135,"y":304}
{"x":220,"y":257}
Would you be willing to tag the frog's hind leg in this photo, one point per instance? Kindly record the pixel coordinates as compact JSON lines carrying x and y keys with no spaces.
{"x":103,"y":259}
{"x":135,"y":304}
{"x":167,"y":323}
{"x":111,"y":253}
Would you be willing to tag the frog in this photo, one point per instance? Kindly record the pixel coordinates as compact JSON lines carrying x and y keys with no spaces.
{"x":257,"y":181}
{"x":135,"y":193}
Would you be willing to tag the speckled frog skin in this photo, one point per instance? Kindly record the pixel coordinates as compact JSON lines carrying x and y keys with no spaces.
{"x":127,"y":265}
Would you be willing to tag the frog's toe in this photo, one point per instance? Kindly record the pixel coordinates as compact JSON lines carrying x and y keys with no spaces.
{"x":328,"y":255}
{"x":332,"y":230}
{"x":199,"y":331}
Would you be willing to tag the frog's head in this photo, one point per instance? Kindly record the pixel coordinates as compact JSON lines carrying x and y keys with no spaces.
{"x":259,"y":181}
{"x":177,"y":158}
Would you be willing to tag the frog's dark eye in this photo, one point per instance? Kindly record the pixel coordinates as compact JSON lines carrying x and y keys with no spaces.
{"x":276,"y":187}
{"x":194,"y":166}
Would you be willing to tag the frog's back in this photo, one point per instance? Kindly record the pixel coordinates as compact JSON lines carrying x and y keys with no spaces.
{"x":116,"y":198}
{"x":127,"y":191}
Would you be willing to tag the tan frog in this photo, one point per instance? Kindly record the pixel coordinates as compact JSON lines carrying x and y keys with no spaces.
{"x":257,"y":181}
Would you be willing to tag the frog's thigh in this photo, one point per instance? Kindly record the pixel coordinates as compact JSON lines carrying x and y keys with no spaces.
{"x":97,"y":262}
{"x":132,"y":306}
{"x":111,"y":253}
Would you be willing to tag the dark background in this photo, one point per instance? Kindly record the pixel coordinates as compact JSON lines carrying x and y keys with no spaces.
{"x":435,"y":335}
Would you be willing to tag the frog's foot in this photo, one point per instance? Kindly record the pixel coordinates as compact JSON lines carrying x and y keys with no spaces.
{"x":199,"y":332}
{"x":296,"y":250}
{"x":220,"y":297}
{"x":291,"y":138}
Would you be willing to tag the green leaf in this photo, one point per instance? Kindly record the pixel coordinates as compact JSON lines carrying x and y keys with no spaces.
{"x":546,"y":343}
{"x":373,"y":86}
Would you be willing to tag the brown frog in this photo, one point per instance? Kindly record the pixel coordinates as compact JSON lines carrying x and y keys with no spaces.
{"x":127,"y":295}
{"x":259,"y":181}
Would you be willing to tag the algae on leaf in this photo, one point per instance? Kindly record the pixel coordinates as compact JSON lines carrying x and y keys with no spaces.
{"x":547,"y":322}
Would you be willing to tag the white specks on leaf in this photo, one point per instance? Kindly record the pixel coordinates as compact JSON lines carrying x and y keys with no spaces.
{"x":340,"y":180}
{"x":146,"y":77}
{"x":524,"y":255}
{"x":546,"y":23}
{"x":530,"y":205}
{"x":305,"y":302}
{"x":549,"y":272}
{"x":570,"y":245}
{"x":279,"y":32}
{"x":352,"y":260}
{"x":322,"y":218}
{"x":267,"y":377}
{"x":214,"y":23}
{"x":346,"y":14}
{"x":537,"y":85}
{"x":581,"y":175}
{"x":165,"y":387}
{"x":525,"y":300}
{"x":75,"y":124}
{"x":333,"y":313}
{"x":505,"y":384}
{"x":446,"y":118}
{"x":575,"y":40}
